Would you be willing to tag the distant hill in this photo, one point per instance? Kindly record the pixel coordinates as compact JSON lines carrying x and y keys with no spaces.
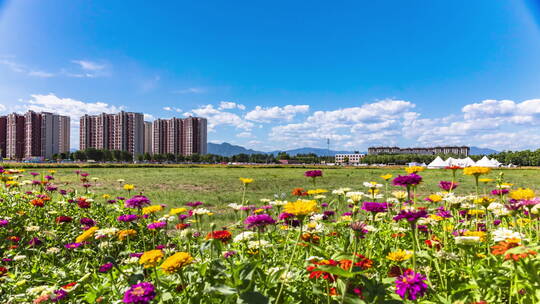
{"x":226,"y":149}
{"x":482,"y":151}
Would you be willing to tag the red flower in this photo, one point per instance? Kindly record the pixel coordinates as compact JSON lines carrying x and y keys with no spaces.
{"x":37,"y":202}
{"x":63,"y":219}
{"x":299,"y":192}
{"x":223,"y":235}
{"x":3,"y":271}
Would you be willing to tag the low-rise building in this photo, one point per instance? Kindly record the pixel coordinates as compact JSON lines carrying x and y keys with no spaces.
{"x":353,"y":158}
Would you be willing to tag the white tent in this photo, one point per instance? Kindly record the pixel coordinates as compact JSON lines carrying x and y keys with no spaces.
{"x":469,"y":162}
{"x":485,"y":162}
{"x":496,"y":162}
{"x":451,"y":161}
{"x":437,"y":163}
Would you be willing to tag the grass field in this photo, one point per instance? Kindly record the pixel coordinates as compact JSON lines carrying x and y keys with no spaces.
{"x":219,"y":186}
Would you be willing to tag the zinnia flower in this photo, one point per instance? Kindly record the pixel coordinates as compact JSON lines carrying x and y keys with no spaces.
{"x":448,"y":186}
{"x":411,"y":285}
{"x":375,"y":207}
{"x":137,"y":202}
{"x":301,"y":207}
{"x":476,"y":171}
{"x":259,"y":220}
{"x":127,"y":217}
{"x":410,"y":215}
{"x":407,"y":180}
{"x":246,"y":181}
{"x":151,"y":258}
{"x":105,"y":267}
{"x":313,"y":173}
{"x":175,"y":262}
{"x":141,"y":293}
{"x":222,"y":235}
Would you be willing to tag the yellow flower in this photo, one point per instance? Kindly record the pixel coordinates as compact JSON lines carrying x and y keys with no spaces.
{"x":486,"y":180}
{"x":152,"y":209}
{"x":129,"y":187}
{"x":151,"y":258}
{"x":86,"y":235}
{"x":481,"y":255}
{"x":124,"y":234}
{"x":522,"y":194}
{"x":12,"y":183}
{"x":480,"y":234}
{"x":346,"y":218}
{"x":484,"y":201}
{"x":301,"y":207}
{"x":106,"y":196}
{"x":257,"y":211}
{"x":52,"y":171}
{"x":520,"y":222}
{"x":175,"y":211}
{"x":246,"y":181}
{"x":176,"y":261}
{"x":414,"y":169}
{"x":400,"y":194}
{"x":476,"y":212}
{"x":316,"y":191}
{"x":386,"y":176}
{"x":399,"y":255}
{"x":435,"y":198}
{"x":448,"y":228}
{"x":436,"y":217}
{"x":476,"y":171}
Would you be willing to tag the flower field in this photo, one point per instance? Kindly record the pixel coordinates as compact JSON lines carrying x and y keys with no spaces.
{"x":473,"y":238}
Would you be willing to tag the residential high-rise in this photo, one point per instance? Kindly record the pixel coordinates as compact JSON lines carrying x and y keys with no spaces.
{"x":15,"y":136}
{"x":123,"y":131}
{"x":179,"y":136}
{"x":3,"y":136}
{"x":34,"y":135}
{"x":147,"y":137}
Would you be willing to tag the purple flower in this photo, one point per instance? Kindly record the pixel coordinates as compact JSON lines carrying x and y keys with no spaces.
{"x":48,"y":177}
{"x":105,"y":267}
{"x":324,"y":205}
{"x":137,"y":201}
{"x":346,"y":214}
{"x":182,"y":217}
{"x":84,"y":174}
{"x":141,"y":293}
{"x":375,"y":207}
{"x":88,"y":222}
{"x":34,"y":173}
{"x":329,"y":213}
{"x":136,"y":254}
{"x":229,"y":254}
{"x":59,"y":294}
{"x":259,"y":220}
{"x":411,"y":285}
{"x":248,"y":208}
{"x":4,"y":223}
{"x":34,"y":242}
{"x":127,"y":218}
{"x":410,"y":215}
{"x":156,"y":225}
{"x":313,"y":173}
{"x":500,"y":191}
{"x":52,"y":188}
{"x":63,"y":192}
{"x":73,"y":245}
{"x":111,"y":201}
{"x":359,"y":228}
{"x":447,"y":186}
{"x":443,"y":213}
{"x":193,"y":204}
{"x":407,"y":180}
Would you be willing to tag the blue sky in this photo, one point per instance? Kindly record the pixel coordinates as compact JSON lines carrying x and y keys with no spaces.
{"x":285,"y":74}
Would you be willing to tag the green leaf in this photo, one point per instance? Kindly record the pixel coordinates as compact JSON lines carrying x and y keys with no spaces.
{"x":252,"y":297}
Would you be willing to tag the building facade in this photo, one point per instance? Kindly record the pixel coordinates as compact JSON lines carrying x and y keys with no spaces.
{"x":349,"y":158}
{"x":458,"y":150}
{"x":179,"y":136}
{"x":34,"y":135}
{"x":147,"y":137}
{"x":123,"y":131}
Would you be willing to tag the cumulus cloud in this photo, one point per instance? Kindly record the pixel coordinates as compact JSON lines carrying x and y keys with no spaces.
{"x":231,"y":105}
{"x":189,"y":91}
{"x":287,"y":113}
{"x":217,"y":117}
{"x":172,"y":109}
{"x":525,"y":112}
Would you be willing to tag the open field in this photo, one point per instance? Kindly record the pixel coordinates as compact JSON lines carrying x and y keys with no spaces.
{"x":219,"y":186}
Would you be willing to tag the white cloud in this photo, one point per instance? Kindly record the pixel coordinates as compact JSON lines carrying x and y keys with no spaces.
{"x":148,"y":117}
{"x":518,"y":113}
{"x":190,"y":91}
{"x":286,"y":113}
{"x":224,"y":105}
{"x":2,"y":108}
{"x":167,"y":108}
{"x":244,"y":134}
{"x":172,"y":109}
{"x":89,"y":65}
{"x":217,"y":117}
{"x":21,"y":68}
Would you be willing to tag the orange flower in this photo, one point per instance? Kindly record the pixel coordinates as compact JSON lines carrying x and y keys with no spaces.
{"x":502,"y":247}
{"x":518,"y":256}
{"x":299,"y":192}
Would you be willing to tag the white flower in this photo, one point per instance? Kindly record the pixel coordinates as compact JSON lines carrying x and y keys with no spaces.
{"x":40,"y":290}
{"x":314,"y":227}
{"x":53,"y":250}
{"x":446,"y":255}
{"x":106,"y":231}
{"x":244,"y":236}
{"x":258,"y":244}
{"x":235,"y":206}
{"x":105,"y":244}
{"x":467,"y":240}
{"x":186,"y":232}
{"x":31,"y":228}
{"x":278,"y":203}
{"x":317,"y":217}
{"x":503,"y":234}
{"x":372,"y":185}
{"x":338,"y":192}
{"x":201,"y":211}
{"x":264,"y":200}
{"x":535,"y":209}
{"x":370,"y":228}
{"x":19,"y":257}
{"x":131,"y":260}
{"x":494,"y":206}
{"x":320,"y":196}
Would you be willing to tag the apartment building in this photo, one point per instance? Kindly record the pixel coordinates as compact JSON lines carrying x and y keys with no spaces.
{"x":179,"y":136}
{"x":459,"y":150}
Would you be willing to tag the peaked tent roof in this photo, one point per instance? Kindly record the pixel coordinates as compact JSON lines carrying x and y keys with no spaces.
{"x":438,"y":163}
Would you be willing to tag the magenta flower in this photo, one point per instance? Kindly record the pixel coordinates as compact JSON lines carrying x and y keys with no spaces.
{"x":193,"y":204}
{"x":313,"y":173}
{"x":411,"y":285}
{"x":410,"y":215}
{"x":58,"y":295}
{"x":4,"y":223}
{"x":500,"y":191}
{"x":73,"y":245}
{"x":375,"y":207}
{"x":259,"y":220}
{"x":448,"y":186}
{"x":105,"y":267}
{"x":137,"y":202}
{"x":156,"y":225}
{"x":407,"y":180}
{"x":127,"y":218}
{"x":141,"y":293}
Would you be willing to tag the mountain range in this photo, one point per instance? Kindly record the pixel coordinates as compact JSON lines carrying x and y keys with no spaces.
{"x":226,"y":149}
